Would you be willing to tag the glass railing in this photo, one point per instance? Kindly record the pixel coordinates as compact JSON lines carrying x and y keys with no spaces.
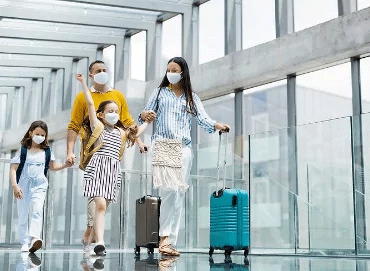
{"x":300,"y":181}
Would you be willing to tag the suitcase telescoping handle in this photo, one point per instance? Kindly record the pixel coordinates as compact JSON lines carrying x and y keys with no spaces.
{"x":145,"y":153}
{"x":224,"y":161}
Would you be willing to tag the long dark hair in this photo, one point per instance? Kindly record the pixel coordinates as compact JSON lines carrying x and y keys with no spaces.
{"x":27,"y":139}
{"x":185,"y":83}
{"x":131,"y":131}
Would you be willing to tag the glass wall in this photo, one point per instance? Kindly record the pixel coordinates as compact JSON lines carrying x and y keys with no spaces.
{"x":324,"y":94}
{"x":138,"y":56}
{"x":313,"y":12}
{"x":3,"y":103}
{"x":109,"y":56}
{"x":171,"y":40}
{"x":361,"y":4}
{"x":258,"y":22}
{"x":365,"y":84}
{"x":365,"y":95}
{"x":211,"y":30}
{"x":325,"y":189}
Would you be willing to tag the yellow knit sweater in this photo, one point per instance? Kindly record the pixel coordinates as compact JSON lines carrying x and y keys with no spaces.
{"x":80,"y":112}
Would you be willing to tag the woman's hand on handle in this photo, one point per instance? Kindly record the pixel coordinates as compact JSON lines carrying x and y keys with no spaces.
{"x":224,"y":128}
{"x":18,"y":193}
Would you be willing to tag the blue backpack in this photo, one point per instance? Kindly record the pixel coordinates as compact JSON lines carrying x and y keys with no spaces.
{"x":23,"y":161}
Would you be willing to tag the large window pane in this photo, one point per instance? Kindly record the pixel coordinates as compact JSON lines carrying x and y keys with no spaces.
{"x":211,"y":30}
{"x":258,"y":22}
{"x":171,"y":40}
{"x":313,"y":12}
{"x":3,"y":99}
{"x":324,"y":94}
{"x":138,"y":56}
{"x":109,"y":56}
{"x":265,"y":108}
{"x":57,"y":193}
{"x":365,"y":84}
{"x":361,"y":4}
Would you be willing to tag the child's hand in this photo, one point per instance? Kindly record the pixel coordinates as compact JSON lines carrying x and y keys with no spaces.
{"x":80,"y":77}
{"x":18,"y":193}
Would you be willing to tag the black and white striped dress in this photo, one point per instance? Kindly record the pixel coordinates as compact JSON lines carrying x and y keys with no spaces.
{"x":102,"y":176}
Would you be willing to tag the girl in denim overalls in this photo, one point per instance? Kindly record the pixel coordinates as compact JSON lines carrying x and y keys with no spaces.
{"x":30,"y":183}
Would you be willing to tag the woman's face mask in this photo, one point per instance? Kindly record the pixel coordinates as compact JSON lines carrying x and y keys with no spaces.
{"x":173,"y":77}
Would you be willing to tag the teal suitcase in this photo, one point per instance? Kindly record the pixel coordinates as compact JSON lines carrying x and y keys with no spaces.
{"x":229,"y":218}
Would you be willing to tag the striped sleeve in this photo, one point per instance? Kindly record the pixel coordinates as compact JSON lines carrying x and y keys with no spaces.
{"x":203,"y":119}
{"x":151,"y":104}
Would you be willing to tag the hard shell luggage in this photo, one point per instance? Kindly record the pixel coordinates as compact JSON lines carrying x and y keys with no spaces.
{"x":229,"y":217}
{"x":147,"y":220}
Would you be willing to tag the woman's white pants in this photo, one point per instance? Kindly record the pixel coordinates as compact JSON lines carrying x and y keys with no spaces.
{"x":173,"y":202}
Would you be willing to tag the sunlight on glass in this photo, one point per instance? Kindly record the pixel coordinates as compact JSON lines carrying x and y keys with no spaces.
{"x":361,"y":4}
{"x":324,"y":94}
{"x":138,"y":56}
{"x":313,"y":12}
{"x":211,"y":30}
{"x":365,"y":84}
{"x":109,"y":56}
{"x":171,"y":40}
{"x":3,"y":98}
{"x":258,"y":22}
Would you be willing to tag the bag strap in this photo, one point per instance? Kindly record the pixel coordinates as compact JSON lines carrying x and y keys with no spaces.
{"x":23,"y":157}
{"x":47,"y":161}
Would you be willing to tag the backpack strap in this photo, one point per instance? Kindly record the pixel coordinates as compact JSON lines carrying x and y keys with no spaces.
{"x":47,"y":161}
{"x":23,"y":157}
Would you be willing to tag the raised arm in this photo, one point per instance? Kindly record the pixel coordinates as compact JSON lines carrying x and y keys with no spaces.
{"x":89,"y":100}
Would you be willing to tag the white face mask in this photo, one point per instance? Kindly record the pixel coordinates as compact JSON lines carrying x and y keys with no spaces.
{"x":111,"y":118}
{"x":173,"y":77}
{"x":38,"y":139}
{"x":101,"y":78}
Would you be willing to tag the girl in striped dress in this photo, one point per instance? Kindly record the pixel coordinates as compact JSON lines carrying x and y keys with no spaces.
{"x":102,"y":178}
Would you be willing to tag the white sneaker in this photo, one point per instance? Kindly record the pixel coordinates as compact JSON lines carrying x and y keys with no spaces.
{"x":25,"y":248}
{"x":36,"y":244}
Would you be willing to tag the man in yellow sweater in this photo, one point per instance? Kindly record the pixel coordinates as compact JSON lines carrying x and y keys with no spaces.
{"x":100,"y":92}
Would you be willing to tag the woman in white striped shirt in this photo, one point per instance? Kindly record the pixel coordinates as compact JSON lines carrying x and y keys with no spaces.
{"x":174,"y":105}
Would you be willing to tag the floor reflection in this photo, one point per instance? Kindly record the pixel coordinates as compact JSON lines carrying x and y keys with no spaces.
{"x":62,"y":260}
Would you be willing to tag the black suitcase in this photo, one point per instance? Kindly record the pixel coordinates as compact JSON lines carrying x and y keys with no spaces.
{"x":149,"y":264}
{"x":147,"y":219}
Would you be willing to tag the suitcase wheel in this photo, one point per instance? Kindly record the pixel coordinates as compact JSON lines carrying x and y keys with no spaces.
{"x":228,"y":252}
{"x":246,"y":252}
{"x":137,"y":250}
{"x":211,"y":250}
{"x":246,"y":262}
{"x":150,"y":250}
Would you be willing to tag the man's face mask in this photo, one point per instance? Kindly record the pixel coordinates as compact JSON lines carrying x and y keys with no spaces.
{"x":101,"y":78}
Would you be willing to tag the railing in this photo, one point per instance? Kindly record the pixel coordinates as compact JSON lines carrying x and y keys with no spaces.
{"x":300,"y":179}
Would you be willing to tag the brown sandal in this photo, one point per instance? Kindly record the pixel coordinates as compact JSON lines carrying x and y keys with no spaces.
{"x":168,"y":250}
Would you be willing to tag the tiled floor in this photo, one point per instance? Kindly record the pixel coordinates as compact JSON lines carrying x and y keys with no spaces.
{"x":73,"y":259}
